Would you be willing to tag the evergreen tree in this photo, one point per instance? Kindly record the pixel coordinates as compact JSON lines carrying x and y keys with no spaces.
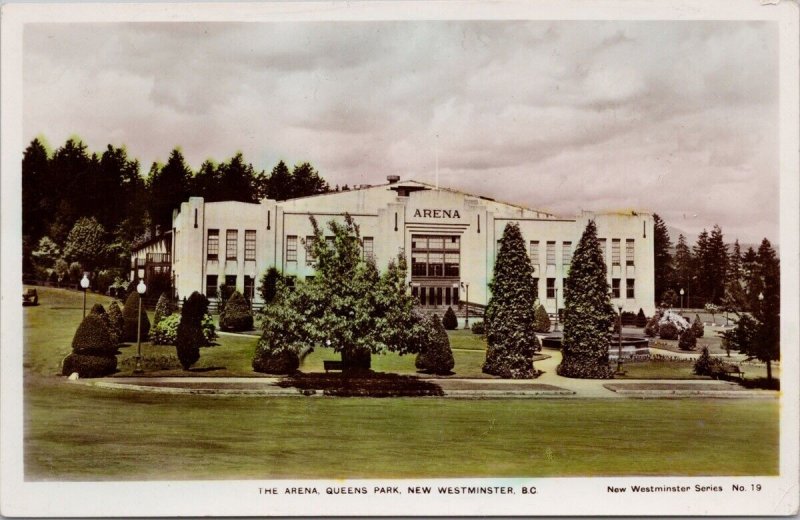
{"x":65,"y":187}
{"x":207,"y":182}
{"x":307,"y":181}
{"x":190,"y":335}
{"x":268,"y":284}
{"x":280,"y":183}
{"x":752,"y":275}
{"x":168,"y":187}
{"x":641,"y":319}
{"x":116,"y":319}
{"x":509,"y":317}
{"x":163,"y":309}
{"x":130,"y":314}
{"x":437,"y":356}
{"x":237,"y":180}
{"x":662,"y":259}
{"x":86,"y":243}
{"x":542,"y":319}
{"x":684,"y":269}
{"x":450,"y":322}
{"x":766,"y":346}
{"x":716,"y":267}
{"x":236,"y":316}
{"x":46,"y":253}
{"x":735,"y":299}
{"x":588,"y":314}
{"x":700,"y":256}
{"x":36,"y":191}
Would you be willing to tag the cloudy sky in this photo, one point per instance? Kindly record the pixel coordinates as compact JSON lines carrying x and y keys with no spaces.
{"x":680,"y":118}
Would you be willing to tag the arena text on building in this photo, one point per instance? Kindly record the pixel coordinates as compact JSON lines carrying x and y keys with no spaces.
{"x":449,"y":238}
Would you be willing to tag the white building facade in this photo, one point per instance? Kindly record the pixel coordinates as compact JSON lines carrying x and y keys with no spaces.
{"x":450,"y":240}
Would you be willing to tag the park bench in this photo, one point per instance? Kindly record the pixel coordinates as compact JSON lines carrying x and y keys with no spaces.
{"x":332,"y":365}
{"x":731,"y":370}
{"x":30,"y":297}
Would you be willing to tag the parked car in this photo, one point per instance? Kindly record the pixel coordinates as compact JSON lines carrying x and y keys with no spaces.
{"x":30,"y":297}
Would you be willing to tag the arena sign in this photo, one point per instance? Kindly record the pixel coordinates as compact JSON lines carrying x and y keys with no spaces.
{"x":437,"y":213}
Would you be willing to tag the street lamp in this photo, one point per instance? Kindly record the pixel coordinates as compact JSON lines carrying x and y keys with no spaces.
{"x":619,"y":342}
{"x":141,"y":289}
{"x":466,"y":305}
{"x":681,"y":299}
{"x":555,"y":327}
{"x":84,"y":285}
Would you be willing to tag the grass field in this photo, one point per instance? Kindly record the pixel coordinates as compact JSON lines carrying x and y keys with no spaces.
{"x":74,"y":432}
{"x":79,"y":433}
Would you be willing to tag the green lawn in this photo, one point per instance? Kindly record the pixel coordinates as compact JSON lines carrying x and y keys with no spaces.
{"x":659,"y":370}
{"x":78,"y":433}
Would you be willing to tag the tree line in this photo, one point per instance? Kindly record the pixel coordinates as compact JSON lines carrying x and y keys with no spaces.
{"x":711,"y":272}
{"x":86,"y":210}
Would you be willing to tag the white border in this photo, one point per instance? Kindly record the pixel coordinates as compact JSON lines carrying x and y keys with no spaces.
{"x":556,"y":496}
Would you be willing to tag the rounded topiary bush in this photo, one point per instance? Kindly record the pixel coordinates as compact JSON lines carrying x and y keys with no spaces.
{"x":92,"y":338}
{"x":98,"y":310}
{"x":478,"y":328}
{"x":89,"y":366}
{"x":668,"y":331}
{"x":687,"y":340}
{"x":236,"y":316}
{"x":436,"y":356}
{"x":697,"y":327}
{"x":542,"y":320}
{"x":116,"y":319}
{"x":131,"y":316}
{"x":450,"y":322}
{"x":189,"y":337}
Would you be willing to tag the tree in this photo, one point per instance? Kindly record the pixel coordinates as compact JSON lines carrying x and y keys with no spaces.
{"x":116,"y":319}
{"x":436,"y":357}
{"x":163,"y":309}
{"x":268,"y":285}
{"x":542,"y":319}
{"x":307,"y":181}
{"x":130,"y":314}
{"x":279,"y":184}
{"x":510,"y":313}
{"x":687,"y":340}
{"x":237,"y":180}
{"x":766,"y":345}
{"x":662,"y":259}
{"x":283,"y":331}
{"x":236,"y":316}
{"x":190,"y":335}
{"x":684,"y":268}
{"x":35,"y":189}
{"x":588,"y":314}
{"x":450,"y":322}
{"x":641,"y":319}
{"x":168,"y":187}
{"x":93,"y":351}
{"x":46,"y":253}
{"x":697,"y":327}
{"x":86,"y":243}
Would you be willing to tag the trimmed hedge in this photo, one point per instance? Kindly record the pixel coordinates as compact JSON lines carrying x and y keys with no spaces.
{"x":478,"y":328}
{"x":236,"y":316}
{"x":687,"y":340}
{"x":450,"y":322}
{"x":668,"y":331}
{"x":116,"y":319}
{"x":98,"y":310}
{"x":89,"y":366}
{"x":697,"y":327}
{"x":189,"y":337}
{"x":92,"y":338}
{"x":436,"y":356}
{"x":641,"y":319}
{"x":130,"y":314}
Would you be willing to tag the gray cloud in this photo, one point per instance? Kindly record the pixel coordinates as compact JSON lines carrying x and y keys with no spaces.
{"x":677,"y":117}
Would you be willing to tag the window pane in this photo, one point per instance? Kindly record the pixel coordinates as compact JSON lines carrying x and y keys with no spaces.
{"x":231,"y":241}
{"x":452,"y":243}
{"x":551,"y":253}
{"x":629,"y":251}
{"x":436,"y":243}
{"x":211,"y":286}
{"x":419,"y":264}
{"x":250,"y":244}
{"x":369,"y":249}
{"x":566,"y":253}
{"x":310,"y":250}
{"x":291,"y":248}
{"x":615,"y":287}
{"x":249,"y":287}
{"x":615,"y":244}
{"x":534,"y":252}
{"x":630,"y":291}
{"x":212,"y":244}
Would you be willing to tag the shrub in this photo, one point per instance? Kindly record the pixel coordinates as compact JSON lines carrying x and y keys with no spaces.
{"x":687,"y":340}
{"x":697,"y":327}
{"x":165,"y":331}
{"x":651,"y":329}
{"x":436,"y":356}
{"x":641,"y":319}
{"x":450,"y":322}
{"x":151,"y":362}
{"x":478,"y":328}
{"x":283,"y":360}
{"x":92,"y":338}
{"x":105,"y":279}
{"x":542,"y":323}
{"x":236,"y":315}
{"x":681,"y":324}
{"x":668,"y":331}
{"x":224,"y":293}
{"x":89,"y":366}
{"x":163,"y":309}
{"x":75,"y":272}
{"x":130,"y":313}
{"x":704,"y":365}
{"x":98,"y":310}
{"x":116,"y":319}
{"x":189,"y":337}
{"x":268,"y":284}
{"x":208,"y":328}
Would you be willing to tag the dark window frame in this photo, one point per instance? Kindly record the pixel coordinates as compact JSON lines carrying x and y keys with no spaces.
{"x":250,"y":245}
{"x":231,"y":239}
{"x":212,"y":246}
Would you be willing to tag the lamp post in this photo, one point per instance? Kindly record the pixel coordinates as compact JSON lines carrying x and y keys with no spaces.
{"x":555,"y":327}
{"x":681,"y":300}
{"x":619,"y":342}
{"x":466,"y":305}
{"x":141,"y":289}
{"x":84,"y":286}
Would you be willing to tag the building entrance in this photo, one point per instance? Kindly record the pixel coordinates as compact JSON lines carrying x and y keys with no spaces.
{"x":435,"y":269}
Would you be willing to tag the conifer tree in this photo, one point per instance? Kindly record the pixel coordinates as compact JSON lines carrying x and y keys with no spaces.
{"x":683,"y":269}
{"x":450,"y":321}
{"x":588,"y":314}
{"x":662,"y":259}
{"x":163,"y":309}
{"x":130,"y":313}
{"x":190,"y":335}
{"x":542,"y":319}
{"x":510,"y":314}
{"x":436,"y":357}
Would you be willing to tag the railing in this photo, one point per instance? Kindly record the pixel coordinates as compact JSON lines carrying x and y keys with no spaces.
{"x":157,"y":258}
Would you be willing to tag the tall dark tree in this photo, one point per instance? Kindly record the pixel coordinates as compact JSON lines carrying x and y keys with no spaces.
{"x":752,"y":277}
{"x":716,"y":267}
{"x":662,"y":270}
{"x":35,"y":180}
{"x":307,"y":181}
{"x":768,"y":311}
{"x":510,"y":314}
{"x":67,"y":182}
{"x":237,"y":180}
{"x":279,"y":185}
{"x":588,"y":314}
{"x":207,"y":182}
{"x":684,"y":268}
{"x":168,"y":187}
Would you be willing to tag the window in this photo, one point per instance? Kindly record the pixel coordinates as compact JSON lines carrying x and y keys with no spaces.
{"x":603,"y":247}
{"x":534,"y":252}
{"x":250,"y":244}
{"x":629,"y":251}
{"x":435,"y":256}
{"x":551,"y":253}
{"x":566,"y":253}
{"x":630,"y":291}
{"x":212,"y":244}
{"x":291,"y":248}
{"x":615,"y":288}
{"x":615,"y":245}
{"x":551,"y":287}
{"x":249,"y":287}
{"x":211,"y":286}
{"x":369,"y":249}
{"x":310,"y":250}
{"x":231,"y":244}
{"x":230,"y":282}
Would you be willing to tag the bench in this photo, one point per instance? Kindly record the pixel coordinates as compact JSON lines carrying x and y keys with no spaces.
{"x":731,"y":370}
{"x":332,"y":365}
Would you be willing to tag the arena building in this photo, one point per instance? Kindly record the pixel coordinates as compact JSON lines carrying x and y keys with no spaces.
{"x":450,"y":239}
